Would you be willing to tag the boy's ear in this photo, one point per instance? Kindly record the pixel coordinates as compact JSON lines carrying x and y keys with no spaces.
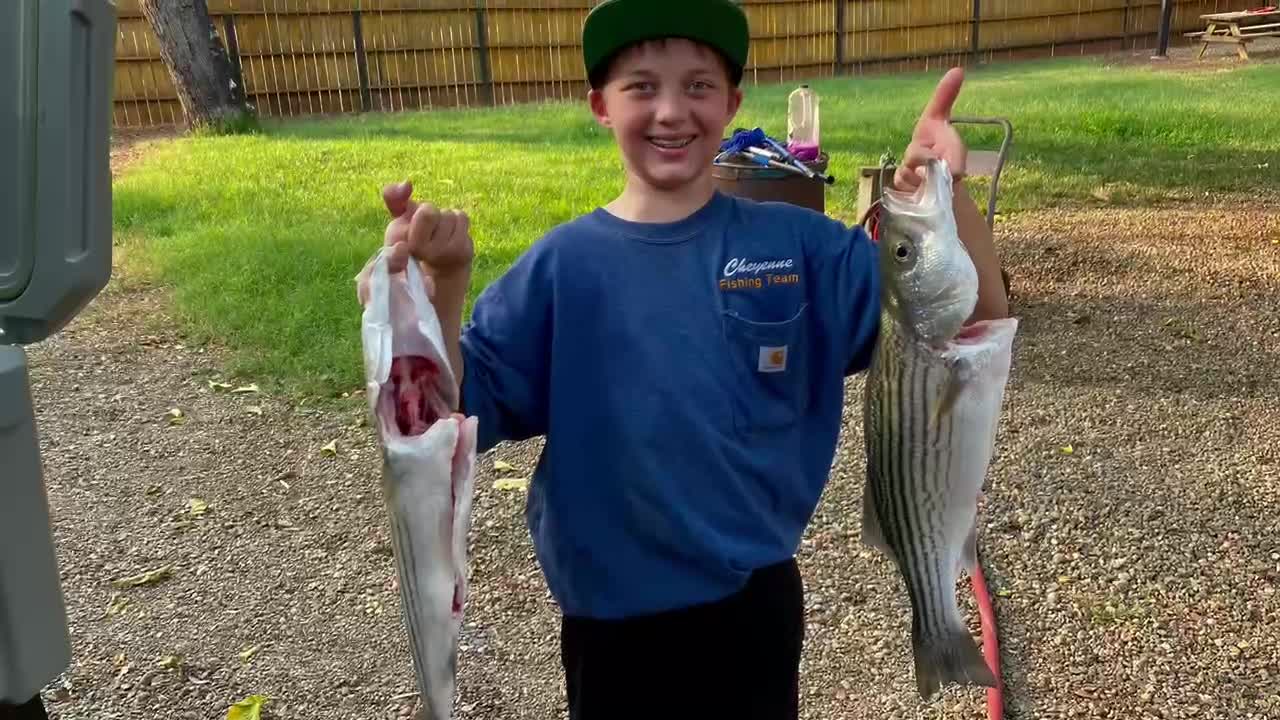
{"x":735,"y":101}
{"x":595,"y":98}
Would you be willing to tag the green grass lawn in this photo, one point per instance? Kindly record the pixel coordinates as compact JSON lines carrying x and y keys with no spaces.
{"x":260,"y":236}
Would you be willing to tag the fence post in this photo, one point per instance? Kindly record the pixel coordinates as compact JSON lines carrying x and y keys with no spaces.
{"x":482,"y":52}
{"x":973,"y":35}
{"x":1127,"y":3}
{"x":841,"y":6}
{"x":362,"y":62}
{"x":1166,"y":16}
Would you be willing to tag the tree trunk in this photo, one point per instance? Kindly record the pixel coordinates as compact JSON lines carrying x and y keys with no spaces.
{"x":198,"y":63}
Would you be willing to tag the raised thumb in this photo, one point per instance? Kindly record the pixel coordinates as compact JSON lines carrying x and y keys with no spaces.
{"x":397,"y":196}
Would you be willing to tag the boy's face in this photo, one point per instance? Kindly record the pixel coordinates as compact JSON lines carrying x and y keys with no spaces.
{"x":668,"y":104}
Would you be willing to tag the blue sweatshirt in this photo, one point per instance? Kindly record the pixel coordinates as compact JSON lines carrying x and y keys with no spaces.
{"x":688,"y":378}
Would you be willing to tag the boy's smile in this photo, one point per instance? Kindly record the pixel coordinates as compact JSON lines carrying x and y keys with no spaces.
{"x":668,"y":103}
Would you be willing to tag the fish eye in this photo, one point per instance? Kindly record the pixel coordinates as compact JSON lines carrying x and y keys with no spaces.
{"x":902,"y":251}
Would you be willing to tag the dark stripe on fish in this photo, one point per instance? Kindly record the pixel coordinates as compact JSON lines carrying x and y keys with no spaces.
{"x":408,"y":567}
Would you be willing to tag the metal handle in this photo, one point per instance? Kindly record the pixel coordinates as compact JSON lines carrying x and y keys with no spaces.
{"x":1000,"y":157}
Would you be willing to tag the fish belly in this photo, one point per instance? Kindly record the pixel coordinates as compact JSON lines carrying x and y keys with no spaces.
{"x":427,"y":487}
{"x":930,"y":418}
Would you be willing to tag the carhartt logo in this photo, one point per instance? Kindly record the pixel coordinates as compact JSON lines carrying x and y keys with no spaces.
{"x":773,"y":359}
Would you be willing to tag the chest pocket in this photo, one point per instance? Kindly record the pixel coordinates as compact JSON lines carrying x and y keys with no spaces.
{"x":771,"y":362}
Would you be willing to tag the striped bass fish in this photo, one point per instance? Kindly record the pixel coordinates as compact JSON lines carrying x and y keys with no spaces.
{"x":428,"y":460}
{"x":933,"y":398}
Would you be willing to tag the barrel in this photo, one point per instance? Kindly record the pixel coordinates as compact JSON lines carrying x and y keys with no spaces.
{"x":758,"y":182}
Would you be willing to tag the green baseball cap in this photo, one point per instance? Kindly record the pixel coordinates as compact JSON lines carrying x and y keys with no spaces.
{"x":614,"y":24}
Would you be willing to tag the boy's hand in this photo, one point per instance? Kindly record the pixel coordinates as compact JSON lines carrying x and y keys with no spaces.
{"x":442,"y":243}
{"x":934,"y":136}
{"x":440,"y":239}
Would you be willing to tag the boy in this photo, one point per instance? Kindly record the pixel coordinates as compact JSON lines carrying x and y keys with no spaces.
{"x":683,"y":353}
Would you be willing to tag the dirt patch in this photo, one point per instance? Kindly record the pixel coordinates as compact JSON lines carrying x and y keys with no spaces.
{"x":128,"y":145}
{"x":1130,"y":532}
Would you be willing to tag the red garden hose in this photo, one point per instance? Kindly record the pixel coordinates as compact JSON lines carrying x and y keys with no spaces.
{"x":990,"y":648}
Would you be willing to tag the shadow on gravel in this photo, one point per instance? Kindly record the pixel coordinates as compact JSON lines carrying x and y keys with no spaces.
{"x":1158,"y":305}
{"x":1156,"y":347}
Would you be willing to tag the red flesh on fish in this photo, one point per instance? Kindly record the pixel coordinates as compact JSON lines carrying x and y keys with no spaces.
{"x":413,"y":382}
{"x":417,"y":403}
{"x":973,"y":332}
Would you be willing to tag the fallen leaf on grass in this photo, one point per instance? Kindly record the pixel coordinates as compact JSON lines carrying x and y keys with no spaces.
{"x":197,"y":507}
{"x":247,"y":654}
{"x":149,"y":577}
{"x":254,"y":410}
{"x":1067,"y":449}
{"x":502,"y":466}
{"x":215,"y":386}
{"x":1004,"y":592}
{"x":511,"y":484}
{"x":176,"y":416}
{"x":249,"y":708}
{"x":253,"y":388}
{"x":169,"y":661}
{"x":331,"y":449}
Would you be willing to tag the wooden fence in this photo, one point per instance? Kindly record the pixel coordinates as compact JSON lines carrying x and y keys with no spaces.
{"x":305,"y":57}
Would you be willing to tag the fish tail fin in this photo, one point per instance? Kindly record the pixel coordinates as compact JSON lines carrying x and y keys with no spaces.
{"x":432,"y":710}
{"x":951,"y":657}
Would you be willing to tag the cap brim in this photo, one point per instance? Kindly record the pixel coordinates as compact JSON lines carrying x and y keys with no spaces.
{"x":616,"y":24}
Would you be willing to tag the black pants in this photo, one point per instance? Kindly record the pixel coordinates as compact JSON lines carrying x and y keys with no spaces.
{"x":33,"y":709}
{"x":735,"y":658}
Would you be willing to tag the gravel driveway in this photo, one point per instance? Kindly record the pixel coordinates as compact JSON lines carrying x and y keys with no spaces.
{"x":1132,"y":529}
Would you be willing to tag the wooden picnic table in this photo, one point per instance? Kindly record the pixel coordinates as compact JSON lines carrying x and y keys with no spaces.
{"x":1231,"y":27}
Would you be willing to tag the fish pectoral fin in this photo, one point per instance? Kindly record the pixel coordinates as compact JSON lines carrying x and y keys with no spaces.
{"x":947,"y":400}
{"x":961,"y":369}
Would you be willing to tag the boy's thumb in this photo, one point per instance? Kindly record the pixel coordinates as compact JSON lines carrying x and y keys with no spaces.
{"x":396,"y":196}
